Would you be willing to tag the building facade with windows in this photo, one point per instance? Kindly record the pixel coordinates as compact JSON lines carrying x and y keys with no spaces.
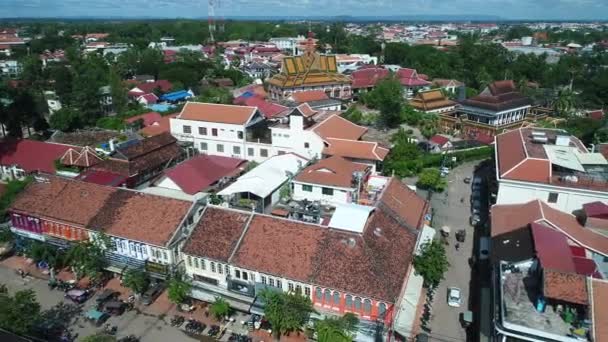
{"x":61,"y":211}
{"x":333,"y":180}
{"x":243,"y":132}
{"x":549,"y":165}
{"x":237,"y":254}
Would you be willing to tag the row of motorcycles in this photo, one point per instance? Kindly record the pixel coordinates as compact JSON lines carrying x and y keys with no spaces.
{"x":234,"y":337}
{"x":195,"y":327}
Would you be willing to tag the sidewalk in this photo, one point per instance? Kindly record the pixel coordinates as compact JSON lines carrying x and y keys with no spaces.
{"x":17,"y":262}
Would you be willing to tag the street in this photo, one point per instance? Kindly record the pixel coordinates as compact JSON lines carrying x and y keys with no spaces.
{"x":452,"y":208}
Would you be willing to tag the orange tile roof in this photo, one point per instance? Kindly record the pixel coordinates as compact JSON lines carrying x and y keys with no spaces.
{"x":569,"y":287}
{"x":338,"y":127}
{"x":599,"y":296}
{"x":162,"y":126}
{"x":269,"y":246}
{"x":355,"y":149}
{"x":124,"y":213}
{"x":220,"y":113}
{"x":332,"y":171}
{"x":306,"y":96}
{"x":217,"y":233}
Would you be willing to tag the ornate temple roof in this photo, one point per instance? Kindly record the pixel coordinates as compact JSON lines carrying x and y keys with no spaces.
{"x":311,"y":68}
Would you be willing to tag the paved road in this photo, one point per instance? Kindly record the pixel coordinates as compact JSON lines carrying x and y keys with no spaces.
{"x":451,"y":211}
{"x":148,"y":328}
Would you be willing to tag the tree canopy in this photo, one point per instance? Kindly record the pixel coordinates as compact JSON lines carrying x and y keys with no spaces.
{"x":137,"y":280}
{"x":431,"y":263}
{"x":286,"y":312}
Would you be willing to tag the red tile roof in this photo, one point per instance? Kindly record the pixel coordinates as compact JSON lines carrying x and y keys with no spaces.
{"x":124,"y":213}
{"x":333,"y":171}
{"x":31,"y":155}
{"x":160,"y":127}
{"x":368,"y":77}
{"x":568,"y":287}
{"x":510,"y":217}
{"x":552,"y":248}
{"x":499,"y":96}
{"x":596,"y":209}
{"x":217,"y":233}
{"x":338,"y":127}
{"x":355,"y":149}
{"x":220,"y":113}
{"x":148,"y":118}
{"x":150,"y":98}
{"x":149,"y":87}
{"x":596,"y":114}
{"x":199,"y":173}
{"x":439,"y":140}
{"x":102,"y":178}
{"x":268,"y":109}
{"x":372,"y":264}
{"x":280,"y":247}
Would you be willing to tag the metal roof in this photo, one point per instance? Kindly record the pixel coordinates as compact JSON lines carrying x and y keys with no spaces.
{"x":351,"y":217}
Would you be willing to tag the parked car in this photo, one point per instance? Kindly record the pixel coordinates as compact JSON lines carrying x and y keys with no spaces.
{"x":152,"y":293}
{"x":96,"y":317}
{"x":77,"y":296}
{"x":106,"y":295}
{"x":484,"y":248}
{"x":454,"y":297}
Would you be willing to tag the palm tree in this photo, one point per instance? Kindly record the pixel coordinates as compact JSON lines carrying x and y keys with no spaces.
{"x":565,"y":102}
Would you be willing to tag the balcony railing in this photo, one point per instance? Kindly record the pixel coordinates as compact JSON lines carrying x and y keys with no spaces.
{"x":578,"y":181}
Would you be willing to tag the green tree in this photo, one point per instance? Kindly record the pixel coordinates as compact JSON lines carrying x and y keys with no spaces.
{"x":431,"y":179}
{"x":431,"y":263}
{"x":402,"y":160}
{"x":178,"y":289}
{"x":483,"y":78}
{"x":136,"y":280}
{"x":286,"y":312}
{"x":19,"y":313}
{"x":220,"y":308}
{"x":337,"y":329}
{"x":67,"y":119}
{"x":118,"y":91}
{"x":13,"y":188}
{"x":565,"y":102}
{"x":430,"y":125}
{"x":99,"y":337}
{"x":388,"y":98}
{"x":87,"y":258}
{"x":215,"y":95}
{"x":353,"y":114}
{"x":601,"y":136}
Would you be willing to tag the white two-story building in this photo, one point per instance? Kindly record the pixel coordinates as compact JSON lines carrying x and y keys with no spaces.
{"x":243,"y":132}
{"x":549,"y":165}
{"x":333,"y":181}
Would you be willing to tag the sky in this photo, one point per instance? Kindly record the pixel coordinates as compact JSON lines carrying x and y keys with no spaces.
{"x":506,"y":9}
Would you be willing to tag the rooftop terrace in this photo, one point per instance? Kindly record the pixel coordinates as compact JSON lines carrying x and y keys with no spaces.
{"x":520,"y":288}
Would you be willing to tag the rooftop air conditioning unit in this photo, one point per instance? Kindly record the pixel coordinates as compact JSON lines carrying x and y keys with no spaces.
{"x":540,"y":139}
{"x":538,"y":134}
{"x":562,"y":140}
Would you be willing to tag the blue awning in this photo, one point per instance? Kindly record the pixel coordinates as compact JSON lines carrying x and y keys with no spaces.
{"x":176,"y":96}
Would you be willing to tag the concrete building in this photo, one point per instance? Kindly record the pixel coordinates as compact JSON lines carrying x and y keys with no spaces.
{"x":333,"y":181}
{"x":61,"y":212}
{"x":236,"y":254}
{"x":549,"y":165}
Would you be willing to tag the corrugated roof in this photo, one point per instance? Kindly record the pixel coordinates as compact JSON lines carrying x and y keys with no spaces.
{"x":199,"y":173}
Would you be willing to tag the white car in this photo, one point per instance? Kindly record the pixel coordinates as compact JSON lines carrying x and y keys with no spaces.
{"x":454,"y":298}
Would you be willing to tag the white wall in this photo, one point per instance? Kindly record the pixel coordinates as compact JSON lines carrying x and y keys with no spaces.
{"x":167,"y":183}
{"x":568,"y":200}
{"x":340,"y":196}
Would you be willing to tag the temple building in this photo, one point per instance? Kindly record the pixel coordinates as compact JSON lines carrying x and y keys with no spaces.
{"x":432,"y":101}
{"x":309,"y":71}
{"x":498,"y":108}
